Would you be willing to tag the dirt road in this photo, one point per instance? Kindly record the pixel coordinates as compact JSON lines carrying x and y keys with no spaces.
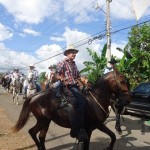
{"x":136,"y":135}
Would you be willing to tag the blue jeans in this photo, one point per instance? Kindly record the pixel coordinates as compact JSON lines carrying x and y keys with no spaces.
{"x":38,"y":87}
{"x":79,"y":104}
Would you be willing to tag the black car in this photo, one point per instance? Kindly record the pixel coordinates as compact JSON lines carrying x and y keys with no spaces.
{"x":140,"y":100}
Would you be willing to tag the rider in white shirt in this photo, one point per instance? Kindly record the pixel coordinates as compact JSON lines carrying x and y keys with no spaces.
{"x":49,"y":75}
{"x":16,"y":74}
{"x":35,"y":77}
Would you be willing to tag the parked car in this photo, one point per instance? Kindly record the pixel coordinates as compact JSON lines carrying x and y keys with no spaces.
{"x":140,"y":100}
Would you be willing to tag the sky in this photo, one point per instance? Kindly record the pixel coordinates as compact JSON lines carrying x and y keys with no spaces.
{"x":37,"y":32}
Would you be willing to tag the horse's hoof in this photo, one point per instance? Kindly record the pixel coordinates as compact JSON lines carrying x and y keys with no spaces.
{"x":107,"y":148}
{"x":119,"y":132}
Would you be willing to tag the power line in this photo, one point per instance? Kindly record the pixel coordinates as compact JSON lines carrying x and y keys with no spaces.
{"x":101,"y":35}
{"x":53,"y":24}
{"x":114,"y":32}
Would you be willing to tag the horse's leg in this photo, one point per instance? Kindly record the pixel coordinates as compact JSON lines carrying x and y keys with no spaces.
{"x":33,"y":131}
{"x":117,"y":125}
{"x":86,"y":143}
{"x":13,"y":95}
{"x":43,"y":133}
{"x":118,"y":113}
{"x":106,"y":130}
{"x":17,"y":99}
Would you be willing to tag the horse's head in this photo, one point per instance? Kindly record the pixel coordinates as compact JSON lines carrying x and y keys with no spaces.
{"x":119,"y":86}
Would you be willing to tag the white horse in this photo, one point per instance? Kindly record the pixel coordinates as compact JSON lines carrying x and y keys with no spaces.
{"x":15,"y":83}
{"x":31,"y":86}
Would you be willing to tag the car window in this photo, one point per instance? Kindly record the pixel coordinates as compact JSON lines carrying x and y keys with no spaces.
{"x":143,"y":88}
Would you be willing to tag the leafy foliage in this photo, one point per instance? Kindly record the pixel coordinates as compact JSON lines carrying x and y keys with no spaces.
{"x":136,"y":60}
{"x":95,"y":68}
{"x":42,"y":77}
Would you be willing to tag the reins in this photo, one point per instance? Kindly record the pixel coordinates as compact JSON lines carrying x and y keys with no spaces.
{"x":107,"y":113}
{"x":117,"y":82}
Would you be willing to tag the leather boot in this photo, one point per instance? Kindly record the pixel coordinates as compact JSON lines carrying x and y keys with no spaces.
{"x":82,"y":136}
{"x":77,"y":126}
{"x":74,"y":125}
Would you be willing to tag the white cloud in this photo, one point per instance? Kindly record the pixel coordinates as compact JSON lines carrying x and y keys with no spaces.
{"x":5,"y":33}
{"x":10,"y":59}
{"x":31,"y":11}
{"x":48,"y":51}
{"x":32,"y":32}
{"x":122,"y":9}
{"x":57,"y":39}
{"x":35,"y":11}
{"x":73,"y":36}
{"x":114,"y":51}
{"x":20,"y":59}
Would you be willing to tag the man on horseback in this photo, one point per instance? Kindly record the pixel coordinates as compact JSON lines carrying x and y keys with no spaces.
{"x":16,"y":74}
{"x":49,"y":75}
{"x":33,"y":71}
{"x":68,"y":73}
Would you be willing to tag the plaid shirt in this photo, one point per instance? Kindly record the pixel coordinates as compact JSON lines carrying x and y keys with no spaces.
{"x":35,"y":74}
{"x":68,"y":70}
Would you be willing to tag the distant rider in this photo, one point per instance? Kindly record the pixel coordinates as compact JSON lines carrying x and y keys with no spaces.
{"x":49,"y":75}
{"x":35,"y":78}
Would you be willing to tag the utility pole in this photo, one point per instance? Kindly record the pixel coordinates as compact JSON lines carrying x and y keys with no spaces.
{"x":108,"y":54}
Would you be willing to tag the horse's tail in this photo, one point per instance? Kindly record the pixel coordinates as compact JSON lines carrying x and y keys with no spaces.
{"x":24,"y":116}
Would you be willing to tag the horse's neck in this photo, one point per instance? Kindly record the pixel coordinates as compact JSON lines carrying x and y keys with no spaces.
{"x":31,"y":84}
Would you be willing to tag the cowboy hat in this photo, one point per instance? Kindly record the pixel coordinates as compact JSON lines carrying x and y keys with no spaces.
{"x":113,"y":61}
{"x":70,"y":49}
{"x":50,"y":66}
{"x":16,"y":69}
{"x":31,"y":65}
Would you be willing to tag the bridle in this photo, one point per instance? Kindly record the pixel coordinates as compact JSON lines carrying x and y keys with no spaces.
{"x":105,"y":111}
{"x":121,"y":93}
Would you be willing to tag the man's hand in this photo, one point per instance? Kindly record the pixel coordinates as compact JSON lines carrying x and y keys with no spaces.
{"x":63,"y":79}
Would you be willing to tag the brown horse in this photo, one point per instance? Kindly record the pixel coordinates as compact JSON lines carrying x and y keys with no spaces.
{"x":45,"y":107}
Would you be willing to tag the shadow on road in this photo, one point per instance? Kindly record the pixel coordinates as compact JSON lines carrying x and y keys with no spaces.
{"x":124,"y":142}
{"x":54,"y":138}
{"x":132,"y":123}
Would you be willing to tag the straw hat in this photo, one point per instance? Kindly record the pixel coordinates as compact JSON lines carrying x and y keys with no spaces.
{"x":50,"y":67}
{"x":70,"y":49}
{"x":31,"y":65}
{"x":16,"y":69}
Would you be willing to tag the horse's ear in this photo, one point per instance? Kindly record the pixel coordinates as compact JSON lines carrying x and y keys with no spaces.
{"x":115,"y":70}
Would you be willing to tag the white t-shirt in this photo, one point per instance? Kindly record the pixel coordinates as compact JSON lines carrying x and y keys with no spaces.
{"x":35,"y":74}
{"x":16,"y":75}
{"x":48,"y":74}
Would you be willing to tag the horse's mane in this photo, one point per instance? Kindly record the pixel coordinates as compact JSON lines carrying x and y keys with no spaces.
{"x":101,"y":81}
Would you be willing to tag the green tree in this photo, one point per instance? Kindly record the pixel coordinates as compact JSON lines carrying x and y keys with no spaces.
{"x":95,"y":68}
{"x":42,"y":77}
{"x":136,"y":60}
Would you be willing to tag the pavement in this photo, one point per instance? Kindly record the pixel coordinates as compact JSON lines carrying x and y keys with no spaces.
{"x":135,"y":135}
